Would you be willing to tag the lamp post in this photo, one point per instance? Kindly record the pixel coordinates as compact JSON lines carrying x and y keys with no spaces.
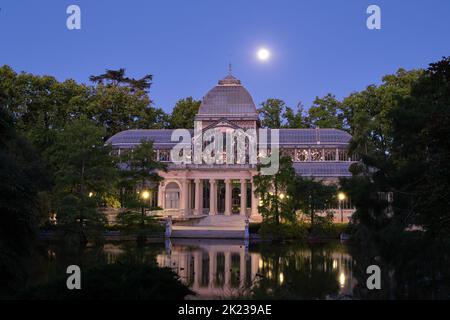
{"x":341,"y":198}
{"x":144,"y":195}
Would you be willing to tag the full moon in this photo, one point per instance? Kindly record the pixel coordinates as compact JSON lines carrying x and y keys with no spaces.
{"x":263,"y":54}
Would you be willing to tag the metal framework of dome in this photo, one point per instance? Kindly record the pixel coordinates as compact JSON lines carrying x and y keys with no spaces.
{"x":227,"y":99}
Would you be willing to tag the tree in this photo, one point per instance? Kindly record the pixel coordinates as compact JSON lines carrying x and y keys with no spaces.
{"x":21,"y":177}
{"x":325,"y":113}
{"x":271,"y":112}
{"x":296,"y":120}
{"x":309,"y":196}
{"x":117,"y":78}
{"x":183,"y":113}
{"x":272,"y":192}
{"x":367,"y":113}
{"x":405,"y":152}
{"x":421,"y":152}
{"x":41,"y":105}
{"x":84,"y":172}
{"x":117,"y":108}
{"x":141,"y":173}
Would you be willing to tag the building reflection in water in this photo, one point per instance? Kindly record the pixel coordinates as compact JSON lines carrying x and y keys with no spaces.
{"x":213,"y":268}
{"x":227,"y":268}
{"x":221,"y":268}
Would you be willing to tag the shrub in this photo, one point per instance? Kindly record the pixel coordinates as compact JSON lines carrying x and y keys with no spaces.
{"x":283,"y":230}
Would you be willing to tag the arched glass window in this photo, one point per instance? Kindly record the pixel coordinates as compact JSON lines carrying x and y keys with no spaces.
{"x":172,"y":196}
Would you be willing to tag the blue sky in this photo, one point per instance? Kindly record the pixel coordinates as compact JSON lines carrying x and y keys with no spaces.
{"x":317,"y":46}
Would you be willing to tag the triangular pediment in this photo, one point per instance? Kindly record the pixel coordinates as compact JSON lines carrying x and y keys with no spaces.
{"x":223,"y":122}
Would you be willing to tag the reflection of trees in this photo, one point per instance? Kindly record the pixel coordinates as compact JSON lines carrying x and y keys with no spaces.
{"x":296,"y":273}
{"x":51,"y":260}
{"x":413,"y":268}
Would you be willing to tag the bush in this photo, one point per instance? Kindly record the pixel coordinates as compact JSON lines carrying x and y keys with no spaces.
{"x":283,"y":230}
{"x":131,"y":221}
{"x":325,"y":227}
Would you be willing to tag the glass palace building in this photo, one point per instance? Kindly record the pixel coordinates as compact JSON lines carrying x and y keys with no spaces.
{"x":218,"y":193}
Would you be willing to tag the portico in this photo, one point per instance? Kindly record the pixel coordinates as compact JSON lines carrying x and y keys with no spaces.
{"x":197,"y":193}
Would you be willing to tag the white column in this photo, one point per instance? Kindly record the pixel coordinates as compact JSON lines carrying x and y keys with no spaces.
{"x":243,"y":197}
{"x":212,"y":268}
{"x":254,"y":264}
{"x":197,"y":269}
{"x":227,"y":270}
{"x":161,"y":195}
{"x":228,"y":198}
{"x":189,"y":196}
{"x":183,"y":267}
{"x":255,"y":200}
{"x":185,"y":197}
{"x":212,"y":197}
{"x":242,"y":268}
{"x":198,"y":196}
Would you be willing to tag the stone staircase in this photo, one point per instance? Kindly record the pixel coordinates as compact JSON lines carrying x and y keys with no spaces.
{"x":233,"y":221}
{"x":218,"y":227}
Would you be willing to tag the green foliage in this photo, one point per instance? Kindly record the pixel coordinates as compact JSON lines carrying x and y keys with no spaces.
{"x":141,"y":173}
{"x":422,"y":165}
{"x":310,"y":195}
{"x":21,"y":178}
{"x":288,"y":230}
{"x":117,"y":77}
{"x":271,"y":113}
{"x":111,"y":201}
{"x":401,"y":129}
{"x":183,"y":113}
{"x":271,"y":189}
{"x":296,"y":119}
{"x":41,"y":105}
{"x":116,"y":282}
{"x":84,"y":168}
{"x":142,"y":165}
{"x":325,"y":113}
{"x":133,"y":222}
{"x":367,"y":114}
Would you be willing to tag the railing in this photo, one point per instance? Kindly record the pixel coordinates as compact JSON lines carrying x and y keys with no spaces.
{"x":174,"y":213}
{"x":212,"y":166}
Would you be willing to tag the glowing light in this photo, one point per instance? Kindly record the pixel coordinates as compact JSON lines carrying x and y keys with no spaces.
{"x":341,"y":196}
{"x":281,"y":276}
{"x":145,"y":195}
{"x":260,"y":263}
{"x":342,"y":279}
{"x":334,"y":264}
{"x":263,"y":54}
{"x":282,"y":196}
{"x":90,"y":194}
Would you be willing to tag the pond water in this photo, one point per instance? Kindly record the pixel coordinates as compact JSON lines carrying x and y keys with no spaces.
{"x":216,"y":269}
{"x":224,"y":269}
